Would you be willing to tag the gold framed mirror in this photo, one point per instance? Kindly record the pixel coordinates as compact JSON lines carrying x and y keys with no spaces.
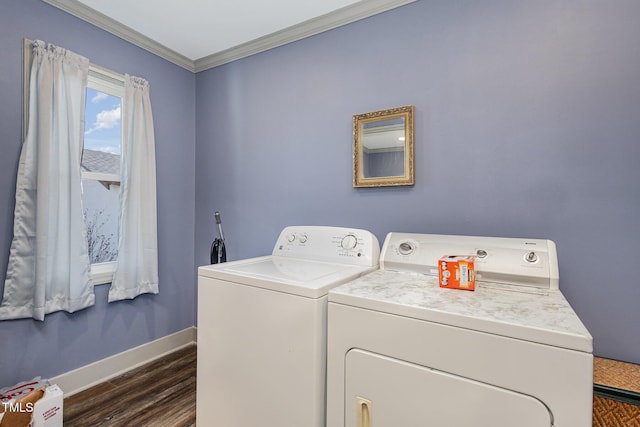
{"x":383,"y":148}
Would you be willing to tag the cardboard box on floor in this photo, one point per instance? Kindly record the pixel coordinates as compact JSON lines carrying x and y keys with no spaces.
{"x":31,"y":404}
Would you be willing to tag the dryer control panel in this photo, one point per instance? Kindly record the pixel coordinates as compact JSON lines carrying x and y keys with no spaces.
{"x":506,"y":261}
{"x":331,"y":244}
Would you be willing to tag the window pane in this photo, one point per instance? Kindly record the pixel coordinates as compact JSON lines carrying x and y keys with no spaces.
{"x":101,"y":211}
{"x":102,"y":133}
{"x":101,"y":154}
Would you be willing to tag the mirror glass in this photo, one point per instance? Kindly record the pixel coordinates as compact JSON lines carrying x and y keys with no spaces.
{"x":383,"y":148}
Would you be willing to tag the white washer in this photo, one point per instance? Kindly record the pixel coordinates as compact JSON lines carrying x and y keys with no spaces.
{"x":262,"y":328}
{"x":403,"y":352}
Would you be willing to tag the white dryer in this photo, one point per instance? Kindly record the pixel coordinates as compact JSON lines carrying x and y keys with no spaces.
{"x":404,"y":352}
{"x":262,"y":328}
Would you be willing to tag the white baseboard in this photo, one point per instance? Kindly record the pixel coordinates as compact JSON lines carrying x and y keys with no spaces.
{"x":97,"y":372}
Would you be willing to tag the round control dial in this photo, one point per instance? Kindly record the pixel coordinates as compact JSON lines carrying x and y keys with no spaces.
{"x":405,"y":248}
{"x":303,"y":238}
{"x":349,"y":241}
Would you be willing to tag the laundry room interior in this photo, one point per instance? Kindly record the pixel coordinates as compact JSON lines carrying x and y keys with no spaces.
{"x":526,"y":124}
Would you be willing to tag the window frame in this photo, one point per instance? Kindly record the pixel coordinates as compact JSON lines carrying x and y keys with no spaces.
{"x":106,"y":81}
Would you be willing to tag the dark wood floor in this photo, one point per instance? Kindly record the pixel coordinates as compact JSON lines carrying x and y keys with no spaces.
{"x":163,"y":394}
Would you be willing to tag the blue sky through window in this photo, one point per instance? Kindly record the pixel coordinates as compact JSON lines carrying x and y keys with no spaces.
{"x":100,"y":198}
{"x":102,"y":122}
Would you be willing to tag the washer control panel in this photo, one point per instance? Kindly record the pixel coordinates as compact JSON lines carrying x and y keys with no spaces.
{"x":507,"y":261}
{"x":333,"y":244}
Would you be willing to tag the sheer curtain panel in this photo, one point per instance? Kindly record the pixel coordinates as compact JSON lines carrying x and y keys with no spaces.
{"x":48,"y":267}
{"x":137,"y":264}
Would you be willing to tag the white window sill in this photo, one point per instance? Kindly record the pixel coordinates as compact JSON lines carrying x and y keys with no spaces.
{"x":102,"y":273}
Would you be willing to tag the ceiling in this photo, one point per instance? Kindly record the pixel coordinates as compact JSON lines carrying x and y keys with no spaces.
{"x":201,"y":34}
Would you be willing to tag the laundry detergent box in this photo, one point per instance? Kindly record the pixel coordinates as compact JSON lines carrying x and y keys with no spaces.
{"x":457,"y":272}
{"x":37,"y":397}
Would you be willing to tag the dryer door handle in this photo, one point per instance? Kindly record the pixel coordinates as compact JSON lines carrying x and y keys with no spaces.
{"x":363,"y":412}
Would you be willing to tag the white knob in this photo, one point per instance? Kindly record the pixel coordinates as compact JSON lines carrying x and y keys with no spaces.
{"x":349,"y":241}
{"x":303,"y":238}
{"x":291,"y":237}
{"x":405,"y":248}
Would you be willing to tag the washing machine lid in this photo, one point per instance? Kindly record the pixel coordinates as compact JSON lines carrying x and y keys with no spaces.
{"x":545,"y":318}
{"x":307,"y":278}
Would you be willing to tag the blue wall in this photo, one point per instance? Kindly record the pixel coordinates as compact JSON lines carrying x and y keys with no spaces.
{"x":527,"y":125}
{"x":67,"y":341}
{"x":538,"y":100}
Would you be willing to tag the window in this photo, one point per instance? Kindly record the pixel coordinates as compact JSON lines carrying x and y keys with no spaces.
{"x":90,"y":190}
{"x":101,"y":170}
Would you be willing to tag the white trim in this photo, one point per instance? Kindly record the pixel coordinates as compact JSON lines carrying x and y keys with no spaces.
{"x":105,"y":81}
{"x":346,"y":15}
{"x":102,"y":272}
{"x":99,"y":176}
{"x":79,"y":10}
{"x":95,"y":373}
{"x":103,"y":73}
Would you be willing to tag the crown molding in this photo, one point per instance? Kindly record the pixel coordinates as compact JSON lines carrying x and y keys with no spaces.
{"x":346,"y":15}
{"x":92,"y":16}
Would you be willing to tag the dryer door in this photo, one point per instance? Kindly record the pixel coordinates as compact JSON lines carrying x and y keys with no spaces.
{"x":385,"y":392}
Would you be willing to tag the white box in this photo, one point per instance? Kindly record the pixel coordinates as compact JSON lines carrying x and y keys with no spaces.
{"x":47,"y":412}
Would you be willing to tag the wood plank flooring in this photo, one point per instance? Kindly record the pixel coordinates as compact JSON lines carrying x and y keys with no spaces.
{"x":163,"y":394}
{"x":160,"y":393}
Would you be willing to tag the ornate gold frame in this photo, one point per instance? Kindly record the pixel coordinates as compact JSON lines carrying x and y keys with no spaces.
{"x":408,"y":178}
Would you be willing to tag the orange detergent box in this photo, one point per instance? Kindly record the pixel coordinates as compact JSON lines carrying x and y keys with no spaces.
{"x":457,"y":272}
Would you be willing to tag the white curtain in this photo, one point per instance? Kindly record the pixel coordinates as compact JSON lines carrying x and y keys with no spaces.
{"x":48,"y":267}
{"x":137,"y":264}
